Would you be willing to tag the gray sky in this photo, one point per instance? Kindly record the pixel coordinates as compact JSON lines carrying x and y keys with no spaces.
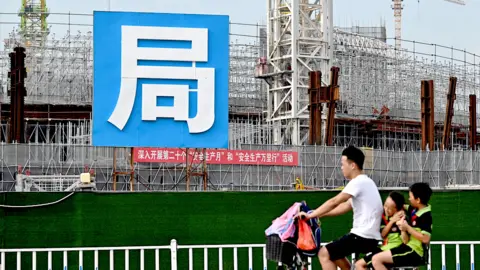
{"x":431,"y":21}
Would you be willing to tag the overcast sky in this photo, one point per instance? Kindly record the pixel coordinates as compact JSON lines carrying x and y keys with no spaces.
{"x":431,"y":21}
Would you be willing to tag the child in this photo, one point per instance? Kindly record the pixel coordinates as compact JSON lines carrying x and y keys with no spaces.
{"x":418,"y":232}
{"x":390,"y":232}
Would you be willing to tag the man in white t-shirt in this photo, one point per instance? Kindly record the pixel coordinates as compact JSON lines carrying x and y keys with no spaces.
{"x":361,"y":194}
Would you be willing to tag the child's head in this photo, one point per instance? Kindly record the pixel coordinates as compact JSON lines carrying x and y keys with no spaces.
{"x":419,"y":194}
{"x":393,"y":203}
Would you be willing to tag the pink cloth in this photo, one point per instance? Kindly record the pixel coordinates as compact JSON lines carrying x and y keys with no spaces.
{"x":284,"y":225}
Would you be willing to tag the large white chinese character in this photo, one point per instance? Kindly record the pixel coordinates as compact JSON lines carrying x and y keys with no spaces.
{"x":131,"y":71}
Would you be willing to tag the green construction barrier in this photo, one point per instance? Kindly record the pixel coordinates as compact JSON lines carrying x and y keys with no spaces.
{"x":146,"y":219}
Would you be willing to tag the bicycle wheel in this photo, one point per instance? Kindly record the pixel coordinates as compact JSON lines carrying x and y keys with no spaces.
{"x":300,"y":267}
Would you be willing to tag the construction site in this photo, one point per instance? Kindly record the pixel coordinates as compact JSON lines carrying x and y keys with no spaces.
{"x":297,"y":84}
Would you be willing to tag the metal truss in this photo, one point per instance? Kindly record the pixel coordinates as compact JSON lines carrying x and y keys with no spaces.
{"x":300,"y":35}
{"x":350,"y":43}
{"x":33,"y":25}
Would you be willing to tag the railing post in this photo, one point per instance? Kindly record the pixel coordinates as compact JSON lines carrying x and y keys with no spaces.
{"x":2,"y":263}
{"x":457,"y":256}
{"x":444,"y":265}
{"x":173,"y":253}
{"x":472,"y":257}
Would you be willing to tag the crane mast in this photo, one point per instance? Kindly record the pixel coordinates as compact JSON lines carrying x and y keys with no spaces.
{"x":397,"y":14}
{"x":300,"y":39}
{"x":33,"y":24}
{"x":397,"y":7}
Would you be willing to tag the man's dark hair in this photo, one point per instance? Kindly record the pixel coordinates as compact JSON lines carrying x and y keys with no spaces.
{"x":355,"y":155}
{"x":398,"y":199}
{"x":421,"y":191}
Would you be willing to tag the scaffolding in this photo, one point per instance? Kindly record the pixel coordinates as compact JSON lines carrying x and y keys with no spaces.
{"x":59,"y":72}
{"x":373,"y":75}
{"x":319,"y":167}
{"x":246,"y":94}
{"x":376,"y":32}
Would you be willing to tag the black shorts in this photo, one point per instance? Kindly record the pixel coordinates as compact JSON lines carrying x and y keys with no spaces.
{"x":404,"y":255}
{"x":351,"y":244}
{"x":368,"y":257}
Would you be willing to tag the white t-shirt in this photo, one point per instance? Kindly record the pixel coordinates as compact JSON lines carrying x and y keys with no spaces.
{"x":367,"y":207}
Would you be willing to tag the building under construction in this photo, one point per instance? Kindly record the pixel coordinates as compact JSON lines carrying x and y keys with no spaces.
{"x":379,"y":103}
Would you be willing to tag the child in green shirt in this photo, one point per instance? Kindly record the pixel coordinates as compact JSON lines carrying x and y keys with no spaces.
{"x":415,"y":233}
{"x":393,"y":212}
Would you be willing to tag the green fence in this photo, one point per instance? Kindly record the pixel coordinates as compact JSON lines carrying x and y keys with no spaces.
{"x":143,"y":219}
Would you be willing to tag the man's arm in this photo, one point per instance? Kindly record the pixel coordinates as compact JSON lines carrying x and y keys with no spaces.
{"x":330,"y":205}
{"x":340,"y":209}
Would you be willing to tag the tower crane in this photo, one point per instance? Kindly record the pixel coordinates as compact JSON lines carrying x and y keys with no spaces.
{"x":33,"y":27}
{"x":397,"y":7}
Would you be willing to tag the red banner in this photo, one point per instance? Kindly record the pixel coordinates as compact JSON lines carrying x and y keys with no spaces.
{"x":237,"y":157}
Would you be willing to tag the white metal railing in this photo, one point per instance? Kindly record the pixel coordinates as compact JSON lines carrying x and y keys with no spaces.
{"x":173,"y":249}
{"x":220,"y":249}
{"x":81,"y":252}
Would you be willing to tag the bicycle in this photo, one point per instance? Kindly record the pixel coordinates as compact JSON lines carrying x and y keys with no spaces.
{"x":286,"y":252}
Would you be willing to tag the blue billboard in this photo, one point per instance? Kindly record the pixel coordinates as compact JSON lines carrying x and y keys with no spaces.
{"x":160,"y":80}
